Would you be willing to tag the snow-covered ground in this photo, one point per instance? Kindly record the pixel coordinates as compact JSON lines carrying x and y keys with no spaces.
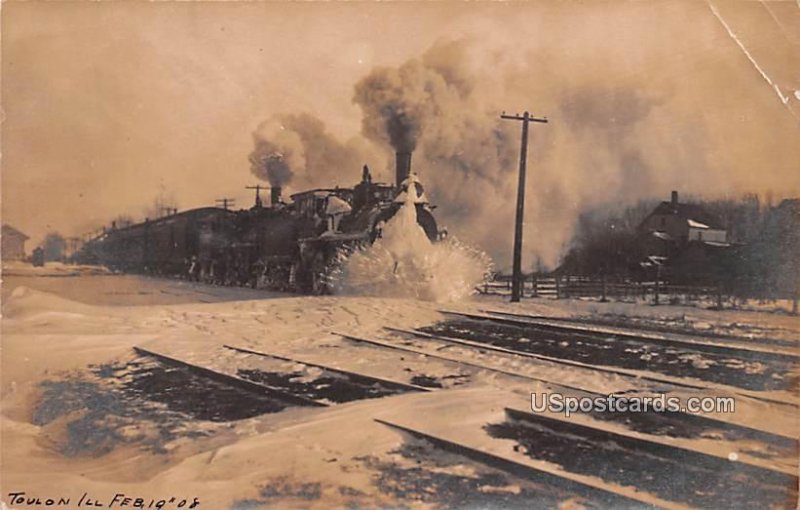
{"x":55,"y":328}
{"x":47,"y":336}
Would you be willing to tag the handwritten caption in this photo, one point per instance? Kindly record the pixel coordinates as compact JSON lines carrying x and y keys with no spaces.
{"x":119,"y":500}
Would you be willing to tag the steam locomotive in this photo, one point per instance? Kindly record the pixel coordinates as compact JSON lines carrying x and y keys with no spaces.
{"x":282,"y":246}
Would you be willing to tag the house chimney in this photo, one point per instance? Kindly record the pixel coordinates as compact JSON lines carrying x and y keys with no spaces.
{"x":674,"y":198}
{"x":403,"y":168}
{"x":275,"y":195}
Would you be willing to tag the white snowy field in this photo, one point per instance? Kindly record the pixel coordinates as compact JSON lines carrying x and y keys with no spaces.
{"x":55,"y":327}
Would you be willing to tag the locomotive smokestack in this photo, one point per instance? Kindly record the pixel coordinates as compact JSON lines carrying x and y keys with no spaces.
{"x":403,"y":169}
{"x":275,"y":195}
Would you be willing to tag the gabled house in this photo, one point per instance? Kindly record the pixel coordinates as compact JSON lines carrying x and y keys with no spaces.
{"x":13,"y":243}
{"x":689,"y":242}
{"x":680,"y":224}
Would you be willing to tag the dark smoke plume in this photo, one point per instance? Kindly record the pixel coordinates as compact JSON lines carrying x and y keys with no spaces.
{"x":278,"y":153}
{"x":269,"y":164}
{"x":387,"y":115}
{"x":399,"y":103}
{"x":298,"y":149}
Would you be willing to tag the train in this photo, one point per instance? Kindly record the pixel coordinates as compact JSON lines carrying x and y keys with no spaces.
{"x":285,"y":246}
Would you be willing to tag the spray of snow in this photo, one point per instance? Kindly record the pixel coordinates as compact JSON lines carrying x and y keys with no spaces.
{"x":784,"y":99}
{"x":403,"y":262}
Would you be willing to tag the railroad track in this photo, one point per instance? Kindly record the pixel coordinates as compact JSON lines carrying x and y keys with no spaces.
{"x":653,"y":331}
{"x":647,"y":463}
{"x":359,"y":378}
{"x":690,"y":430}
{"x":768,"y":376}
{"x":458,"y":361}
{"x":232,"y":380}
{"x":594,"y":493}
{"x":618,"y":470}
{"x":632,"y":374}
{"x":607,"y":460}
{"x":330,"y":385}
{"x":785,"y":351}
{"x":644,"y":463}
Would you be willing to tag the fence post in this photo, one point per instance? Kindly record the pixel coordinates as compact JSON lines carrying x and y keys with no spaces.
{"x":658,"y":283}
{"x":603,"y":299}
{"x":558,"y":286}
{"x":535,"y":282}
{"x":719,"y":297}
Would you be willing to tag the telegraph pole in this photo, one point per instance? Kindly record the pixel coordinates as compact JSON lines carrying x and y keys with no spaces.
{"x":516,"y":279}
{"x":225,"y":202}
{"x":258,"y":189}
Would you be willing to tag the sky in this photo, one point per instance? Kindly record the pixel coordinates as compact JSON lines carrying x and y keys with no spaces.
{"x":109,"y":105}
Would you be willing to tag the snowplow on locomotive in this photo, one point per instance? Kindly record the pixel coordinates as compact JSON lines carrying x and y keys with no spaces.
{"x":280,"y":246}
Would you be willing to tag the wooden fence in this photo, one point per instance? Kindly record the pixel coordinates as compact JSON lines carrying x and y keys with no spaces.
{"x":569,"y":286}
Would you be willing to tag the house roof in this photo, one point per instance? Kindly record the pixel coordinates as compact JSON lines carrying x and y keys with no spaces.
{"x":697,"y":224}
{"x":693,"y":212}
{"x":8,"y":230}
